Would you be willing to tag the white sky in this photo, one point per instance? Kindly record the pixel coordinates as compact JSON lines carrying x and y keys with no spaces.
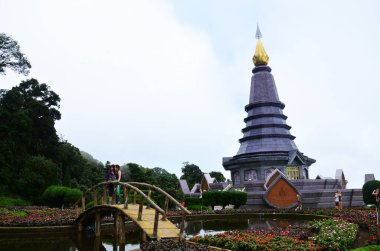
{"x":159,"y":83}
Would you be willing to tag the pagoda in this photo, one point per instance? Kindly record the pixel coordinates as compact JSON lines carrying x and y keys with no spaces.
{"x":267,"y":143}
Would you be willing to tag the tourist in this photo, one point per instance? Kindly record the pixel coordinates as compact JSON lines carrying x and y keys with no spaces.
{"x":336,"y":200}
{"x":299,"y":202}
{"x":118,"y":178}
{"x":376,"y":193}
{"x":340,"y":200}
{"x":110,"y":176}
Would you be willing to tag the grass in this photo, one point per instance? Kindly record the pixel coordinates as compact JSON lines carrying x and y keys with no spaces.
{"x":367,"y":248}
{"x":12,"y":213}
{"x":10,"y":202}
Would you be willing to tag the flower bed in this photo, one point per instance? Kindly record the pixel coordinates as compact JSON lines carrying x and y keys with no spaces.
{"x":36,"y":217}
{"x":255,"y":240}
{"x":365,"y":218}
{"x":327,"y":234}
{"x":334,"y":234}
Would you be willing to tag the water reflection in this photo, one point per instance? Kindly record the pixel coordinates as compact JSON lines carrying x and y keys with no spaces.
{"x":107,"y":242}
{"x":69,"y":242}
{"x":201,"y":227}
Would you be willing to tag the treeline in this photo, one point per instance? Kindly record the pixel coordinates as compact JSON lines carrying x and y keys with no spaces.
{"x":155,"y":176}
{"x":32,"y":157}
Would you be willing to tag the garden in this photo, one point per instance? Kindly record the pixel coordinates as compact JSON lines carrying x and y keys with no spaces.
{"x":337,"y":231}
{"x":327,"y":229}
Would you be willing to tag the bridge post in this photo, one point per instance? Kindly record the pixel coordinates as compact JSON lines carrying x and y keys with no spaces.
{"x":97,"y":244}
{"x":155,"y":228}
{"x":104,"y":198}
{"x":77,"y":209}
{"x":80,"y":227}
{"x":116,"y":224}
{"x":95,"y":198}
{"x":134,"y":197}
{"x":141,"y":208}
{"x":166,"y":205}
{"x":182,"y":226}
{"x":149,"y":195}
{"x":114,"y":195}
{"x":83,"y":203}
{"x":143,"y":236}
{"x":122,"y":229}
{"x":97,"y":224}
{"x":126,"y":197}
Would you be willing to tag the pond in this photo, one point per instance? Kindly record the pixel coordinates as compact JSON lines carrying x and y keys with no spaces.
{"x":86,"y":241}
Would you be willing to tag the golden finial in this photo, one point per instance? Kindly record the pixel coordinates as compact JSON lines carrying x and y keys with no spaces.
{"x":260,"y":57}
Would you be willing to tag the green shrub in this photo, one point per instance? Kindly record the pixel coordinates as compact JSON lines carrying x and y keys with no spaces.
{"x":368,"y":188}
{"x":198,"y":208}
{"x":9,"y":202}
{"x":210,"y":198}
{"x":191,"y":201}
{"x":58,"y":196}
{"x":237,"y":198}
{"x":224,"y":198}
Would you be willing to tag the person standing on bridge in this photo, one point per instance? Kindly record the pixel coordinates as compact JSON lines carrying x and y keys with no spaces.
{"x":118,"y":178}
{"x":110,"y":176}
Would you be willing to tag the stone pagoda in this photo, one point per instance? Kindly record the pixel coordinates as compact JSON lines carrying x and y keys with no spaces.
{"x":267,"y":143}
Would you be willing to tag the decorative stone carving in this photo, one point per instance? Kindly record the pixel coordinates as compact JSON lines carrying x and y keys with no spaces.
{"x":280,"y":194}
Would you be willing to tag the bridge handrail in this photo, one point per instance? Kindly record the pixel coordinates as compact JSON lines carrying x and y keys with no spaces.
{"x":127,"y":184}
{"x":164,"y":193}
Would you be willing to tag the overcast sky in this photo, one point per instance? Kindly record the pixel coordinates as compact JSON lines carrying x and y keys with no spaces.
{"x":159,"y":83}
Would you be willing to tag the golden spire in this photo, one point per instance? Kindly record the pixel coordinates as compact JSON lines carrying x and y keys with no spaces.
{"x":260,"y":57}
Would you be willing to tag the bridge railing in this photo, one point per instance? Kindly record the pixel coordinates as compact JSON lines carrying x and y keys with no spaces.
{"x":168,"y":198}
{"x":127,"y":188}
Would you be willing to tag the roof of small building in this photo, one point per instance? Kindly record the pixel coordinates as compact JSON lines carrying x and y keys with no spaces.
{"x":184,"y":186}
{"x":208,"y":178}
{"x":196,"y":188}
{"x":218,"y":185}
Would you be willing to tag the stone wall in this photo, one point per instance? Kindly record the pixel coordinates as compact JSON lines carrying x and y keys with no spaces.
{"x":315,"y":194}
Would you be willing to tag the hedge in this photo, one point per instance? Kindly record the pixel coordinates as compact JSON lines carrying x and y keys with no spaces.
{"x":59,"y":196}
{"x":224,"y":198}
{"x":8,"y":202}
{"x":192,"y":201}
{"x":198,"y":208}
{"x":368,"y":188}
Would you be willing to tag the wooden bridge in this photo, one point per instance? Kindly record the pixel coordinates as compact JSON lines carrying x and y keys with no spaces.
{"x":147,"y":219}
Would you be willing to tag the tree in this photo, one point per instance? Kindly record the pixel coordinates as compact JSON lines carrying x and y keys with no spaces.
{"x":368,"y":188}
{"x":77,"y":170}
{"x":135,"y":172}
{"x":11,"y":56}
{"x":165,"y":180}
{"x":32,"y":156}
{"x":90,"y":158}
{"x":27,"y":114}
{"x":37,"y":174}
{"x":191,"y":173}
{"x":219,"y":177}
